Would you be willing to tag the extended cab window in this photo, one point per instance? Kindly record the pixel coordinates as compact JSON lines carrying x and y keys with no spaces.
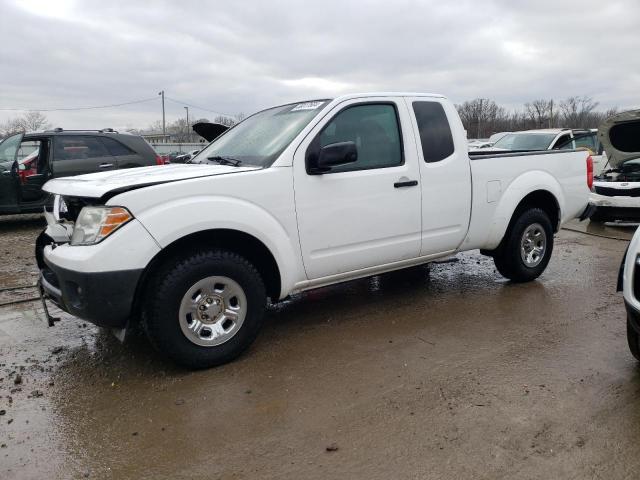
{"x":78,"y":148}
{"x":375,"y":131}
{"x":435,"y":132}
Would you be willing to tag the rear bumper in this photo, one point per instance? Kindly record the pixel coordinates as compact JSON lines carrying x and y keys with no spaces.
{"x":617,"y":213}
{"x":103,"y":298}
{"x":614,"y":201}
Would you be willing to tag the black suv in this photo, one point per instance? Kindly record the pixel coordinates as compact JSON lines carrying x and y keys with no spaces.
{"x":28,"y":160}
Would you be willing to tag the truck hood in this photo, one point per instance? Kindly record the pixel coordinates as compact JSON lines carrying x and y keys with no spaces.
{"x":97,"y":185}
{"x":620,"y":136}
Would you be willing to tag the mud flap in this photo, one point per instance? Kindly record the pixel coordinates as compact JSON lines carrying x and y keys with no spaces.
{"x":587,"y":212}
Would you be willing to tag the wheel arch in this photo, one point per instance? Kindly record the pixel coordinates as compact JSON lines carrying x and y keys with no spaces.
{"x":535,"y":188}
{"x":542,"y":199}
{"x":242,"y":243}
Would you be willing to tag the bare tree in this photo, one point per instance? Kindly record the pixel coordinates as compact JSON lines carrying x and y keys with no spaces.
{"x":10,"y":127}
{"x":224,"y":120}
{"x":481,"y":116}
{"x":540,"y":112}
{"x":29,"y":122}
{"x":576,"y":111}
{"x":33,"y":121}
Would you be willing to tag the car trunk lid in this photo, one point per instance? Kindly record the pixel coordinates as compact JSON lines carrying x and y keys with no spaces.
{"x":209,"y":131}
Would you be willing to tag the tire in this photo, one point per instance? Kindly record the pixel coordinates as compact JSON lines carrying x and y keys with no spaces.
{"x":633,"y":341}
{"x":201,"y":292}
{"x":508,"y":258}
{"x":42,"y":241}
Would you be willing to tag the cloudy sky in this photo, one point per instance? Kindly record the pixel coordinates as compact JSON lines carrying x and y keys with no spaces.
{"x":232,"y":57}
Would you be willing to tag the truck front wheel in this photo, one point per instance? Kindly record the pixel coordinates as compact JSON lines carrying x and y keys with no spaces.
{"x":205,"y":309}
{"x":526,"y":249}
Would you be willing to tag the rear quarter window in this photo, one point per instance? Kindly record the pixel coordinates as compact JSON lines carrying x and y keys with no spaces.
{"x":435,"y":132}
{"x":116,"y":148}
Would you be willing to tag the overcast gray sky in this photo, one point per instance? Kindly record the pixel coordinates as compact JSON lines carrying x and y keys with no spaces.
{"x":242,"y":56}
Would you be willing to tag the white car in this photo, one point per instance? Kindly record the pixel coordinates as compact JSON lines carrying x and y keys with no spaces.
{"x":629,"y":284}
{"x":479,"y":144}
{"x":616,"y":191}
{"x":293,"y":198}
{"x":547,"y":139}
{"x":497,"y":136}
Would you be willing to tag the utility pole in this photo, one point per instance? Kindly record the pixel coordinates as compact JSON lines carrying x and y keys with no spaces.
{"x":164,"y":128}
{"x":188,"y":129}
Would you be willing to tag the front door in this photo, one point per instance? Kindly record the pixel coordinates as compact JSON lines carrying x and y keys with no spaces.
{"x":9,"y":178}
{"x":34,"y":171}
{"x":80,"y":154}
{"x":366,"y":213}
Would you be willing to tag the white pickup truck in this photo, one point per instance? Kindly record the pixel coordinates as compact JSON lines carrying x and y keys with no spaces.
{"x":297,"y":197}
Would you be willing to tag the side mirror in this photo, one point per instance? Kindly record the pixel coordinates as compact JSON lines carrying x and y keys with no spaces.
{"x":332,"y":155}
{"x":22,"y":167}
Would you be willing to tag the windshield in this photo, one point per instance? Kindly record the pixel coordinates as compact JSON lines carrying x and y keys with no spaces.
{"x":525,"y":141}
{"x":261,"y":138}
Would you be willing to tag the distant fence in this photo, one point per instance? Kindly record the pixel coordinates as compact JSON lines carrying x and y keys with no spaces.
{"x":164,"y":148}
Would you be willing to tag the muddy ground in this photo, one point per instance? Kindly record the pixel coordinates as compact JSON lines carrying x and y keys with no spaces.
{"x":446,"y":372}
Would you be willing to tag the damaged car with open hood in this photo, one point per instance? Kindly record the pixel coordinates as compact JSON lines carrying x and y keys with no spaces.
{"x":616,"y":191}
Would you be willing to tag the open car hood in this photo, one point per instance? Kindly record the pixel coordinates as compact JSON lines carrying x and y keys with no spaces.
{"x":97,"y":185}
{"x":620,"y":136}
{"x":209,"y":131}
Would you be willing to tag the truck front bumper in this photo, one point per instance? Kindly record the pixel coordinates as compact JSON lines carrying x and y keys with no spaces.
{"x":98,"y":282}
{"x":103,"y":298}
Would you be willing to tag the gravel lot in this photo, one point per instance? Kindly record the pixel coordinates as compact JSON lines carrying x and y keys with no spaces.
{"x":441,"y":372}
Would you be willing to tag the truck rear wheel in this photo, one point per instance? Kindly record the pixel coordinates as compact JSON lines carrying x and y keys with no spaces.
{"x":205,"y":309}
{"x":526,"y":249}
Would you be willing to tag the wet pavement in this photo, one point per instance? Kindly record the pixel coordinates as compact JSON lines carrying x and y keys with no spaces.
{"x":441,"y":372}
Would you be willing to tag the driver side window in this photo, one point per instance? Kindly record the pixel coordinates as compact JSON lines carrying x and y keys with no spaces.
{"x":375,"y":131}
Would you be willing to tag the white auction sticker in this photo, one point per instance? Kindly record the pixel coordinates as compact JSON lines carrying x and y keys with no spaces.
{"x":306,"y":106}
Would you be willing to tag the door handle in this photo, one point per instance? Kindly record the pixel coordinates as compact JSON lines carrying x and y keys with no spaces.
{"x":105,"y":165}
{"x":406,"y":183}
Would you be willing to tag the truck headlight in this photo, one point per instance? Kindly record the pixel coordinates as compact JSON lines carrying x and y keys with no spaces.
{"x":96,"y":223}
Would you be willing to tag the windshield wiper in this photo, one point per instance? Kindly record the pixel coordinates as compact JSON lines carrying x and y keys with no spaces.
{"x":225,"y":160}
